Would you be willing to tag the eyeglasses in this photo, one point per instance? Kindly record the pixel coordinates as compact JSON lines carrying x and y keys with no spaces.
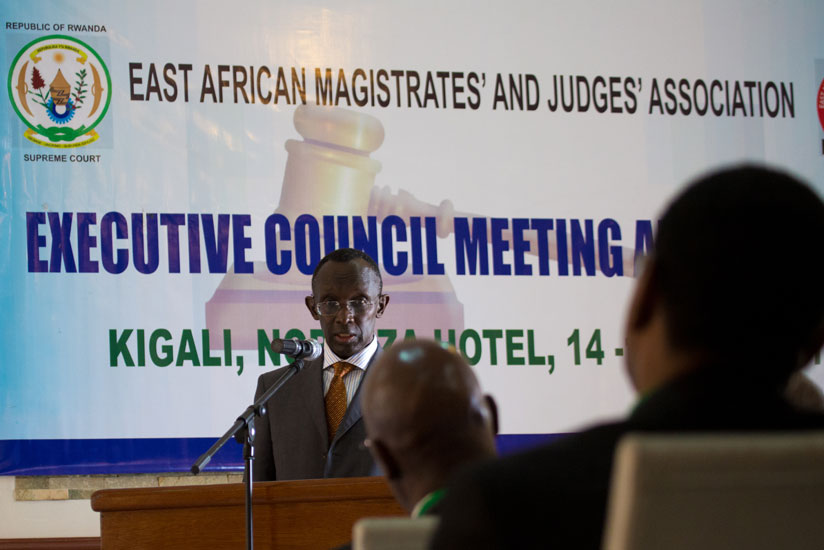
{"x":332,"y":307}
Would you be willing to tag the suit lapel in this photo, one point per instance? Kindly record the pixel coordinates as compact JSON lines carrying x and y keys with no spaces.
{"x":310,"y":385}
{"x":353,"y":411}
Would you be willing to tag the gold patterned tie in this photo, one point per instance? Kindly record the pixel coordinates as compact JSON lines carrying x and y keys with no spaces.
{"x":336,"y":398}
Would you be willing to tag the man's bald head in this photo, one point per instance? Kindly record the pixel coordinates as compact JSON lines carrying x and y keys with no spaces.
{"x":425,"y":416}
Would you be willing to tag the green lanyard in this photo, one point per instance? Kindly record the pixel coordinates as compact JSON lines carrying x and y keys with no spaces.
{"x":429,"y":501}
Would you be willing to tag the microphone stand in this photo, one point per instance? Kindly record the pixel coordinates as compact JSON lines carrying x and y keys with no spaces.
{"x":243,"y":431}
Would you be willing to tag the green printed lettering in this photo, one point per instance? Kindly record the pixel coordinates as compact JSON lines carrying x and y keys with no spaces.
{"x":594,"y":347}
{"x":574,"y":341}
{"x":265,"y":348}
{"x":208,"y":359}
{"x":530,"y":347}
{"x":141,"y":347}
{"x":512,"y":346}
{"x":294,"y":333}
{"x":227,"y":347}
{"x":187,"y":350}
{"x":466,"y":335}
{"x":168,"y":351}
{"x":492,"y":336}
{"x":409,"y":334}
{"x":390,"y":334}
{"x":117,"y":348}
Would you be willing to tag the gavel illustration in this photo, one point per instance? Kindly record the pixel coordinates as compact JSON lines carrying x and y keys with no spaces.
{"x":330,"y":171}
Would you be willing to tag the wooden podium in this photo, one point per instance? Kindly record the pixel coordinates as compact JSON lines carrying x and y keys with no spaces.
{"x":316,"y":513}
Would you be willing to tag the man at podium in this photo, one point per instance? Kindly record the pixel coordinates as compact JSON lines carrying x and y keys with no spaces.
{"x":313,"y":427}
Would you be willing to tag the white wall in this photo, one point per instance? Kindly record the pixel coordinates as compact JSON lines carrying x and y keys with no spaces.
{"x":50,"y":518}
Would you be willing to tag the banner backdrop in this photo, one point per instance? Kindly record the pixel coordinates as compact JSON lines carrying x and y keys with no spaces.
{"x":173,"y":171}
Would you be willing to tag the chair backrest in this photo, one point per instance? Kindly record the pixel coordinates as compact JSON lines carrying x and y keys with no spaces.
{"x":393,"y":533}
{"x":717,"y":491}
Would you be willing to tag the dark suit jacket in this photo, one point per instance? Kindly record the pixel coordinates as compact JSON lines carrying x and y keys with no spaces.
{"x":555,"y":496}
{"x":291,"y":440}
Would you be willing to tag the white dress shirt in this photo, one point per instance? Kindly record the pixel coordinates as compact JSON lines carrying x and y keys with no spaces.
{"x":352,"y":380}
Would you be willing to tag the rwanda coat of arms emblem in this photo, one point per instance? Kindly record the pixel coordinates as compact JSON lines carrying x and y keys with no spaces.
{"x":61,"y":90}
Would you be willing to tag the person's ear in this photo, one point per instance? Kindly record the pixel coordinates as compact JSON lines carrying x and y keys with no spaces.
{"x":383,"y":456}
{"x":644,"y":299}
{"x":492,"y":409}
{"x":383,"y":301}
{"x":310,"y":305}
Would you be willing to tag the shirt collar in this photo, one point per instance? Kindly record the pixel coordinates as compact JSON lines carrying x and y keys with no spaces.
{"x":360,"y":360}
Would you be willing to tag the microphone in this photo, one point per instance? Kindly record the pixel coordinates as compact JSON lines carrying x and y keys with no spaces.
{"x":299,"y":349}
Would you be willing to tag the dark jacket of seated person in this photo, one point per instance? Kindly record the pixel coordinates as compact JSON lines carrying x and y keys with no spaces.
{"x":716,"y":327}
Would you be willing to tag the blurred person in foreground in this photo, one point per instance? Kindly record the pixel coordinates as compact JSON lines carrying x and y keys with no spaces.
{"x":729,"y":305}
{"x":425,"y":418}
